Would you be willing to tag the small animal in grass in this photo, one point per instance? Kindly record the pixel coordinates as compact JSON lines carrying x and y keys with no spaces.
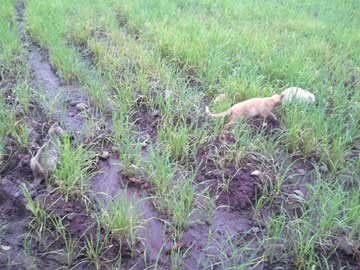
{"x":220,"y":98}
{"x":46,"y":159}
{"x":249,"y":108}
{"x":297,"y":93}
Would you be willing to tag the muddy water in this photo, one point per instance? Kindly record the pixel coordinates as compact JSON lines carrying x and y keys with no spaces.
{"x":108,"y":185}
{"x":207,"y":241}
{"x":14,"y":218}
{"x":60,"y":102}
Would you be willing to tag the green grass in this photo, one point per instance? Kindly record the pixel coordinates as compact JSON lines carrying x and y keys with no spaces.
{"x":121,"y":218}
{"x":10,"y":44}
{"x":40,"y":216}
{"x":166,"y":60}
{"x":72,"y":174}
{"x":125,"y":141}
{"x":14,"y":74}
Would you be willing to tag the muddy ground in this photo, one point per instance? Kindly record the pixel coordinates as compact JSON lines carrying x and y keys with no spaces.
{"x":233,"y":218}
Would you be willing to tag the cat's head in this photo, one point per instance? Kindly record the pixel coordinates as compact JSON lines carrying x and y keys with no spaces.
{"x":278,"y":99}
{"x":56,"y":130}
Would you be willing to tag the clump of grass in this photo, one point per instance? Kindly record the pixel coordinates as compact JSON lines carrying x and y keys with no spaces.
{"x":124,"y":139}
{"x":10,"y":44}
{"x":73,"y":173}
{"x":20,"y":133}
{"x":182,"y":140}
{"x":70,"y":243}
{"x":95,"y":247}
{"x":183,"y":202}
{"x":161,"y":174}
{"x":305,"y":130}
{"x":121,"y":218}
{"x":177,"y":139}
{"x":40,"y":216}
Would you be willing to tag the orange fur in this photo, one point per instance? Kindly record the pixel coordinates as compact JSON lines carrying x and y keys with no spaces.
{"x":249,"y":108}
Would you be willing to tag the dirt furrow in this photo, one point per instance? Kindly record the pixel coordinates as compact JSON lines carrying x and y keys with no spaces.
{"x":60,"y":102}
{"x":110,"y":183}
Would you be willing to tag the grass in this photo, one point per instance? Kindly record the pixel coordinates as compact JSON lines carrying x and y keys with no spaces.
{"x":121,"y":218}
{"x":14,"y":80}
{"x":72,"y":174}
{"x":40,"y":216}
{"x":125,"y":141}
{"x":164,"y":60}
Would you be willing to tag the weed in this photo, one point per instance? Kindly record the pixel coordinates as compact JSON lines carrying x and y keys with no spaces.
{"x":121,"y":218}
{"x":183,"y":201}
{"x":174,"y":57}
{"x":73,"y":173}
{"x":124,"y":139}
{"x":40,"y":216}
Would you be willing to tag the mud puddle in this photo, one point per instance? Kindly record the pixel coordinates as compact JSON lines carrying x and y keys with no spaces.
{"x":14,"y":216}
{"x":108,"y":185}
{"x":210,"y":239}
{"x":61,"y":103}
{"x":210,"y":242}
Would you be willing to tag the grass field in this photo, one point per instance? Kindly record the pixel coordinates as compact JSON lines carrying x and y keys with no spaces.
{"x":144,"y":180}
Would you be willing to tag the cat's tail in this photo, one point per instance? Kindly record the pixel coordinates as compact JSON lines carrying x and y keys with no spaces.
{"x":217,"y":115}
{"x":37,"y":169}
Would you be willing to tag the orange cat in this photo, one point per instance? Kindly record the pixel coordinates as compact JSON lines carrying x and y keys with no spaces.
{"x":249,"y":108}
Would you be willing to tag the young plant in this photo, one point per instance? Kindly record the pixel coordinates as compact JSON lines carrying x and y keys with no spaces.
{"x":161,"y":175}
{"x":95,"y":247}
{"x":70,"y":243}
{"x":40,"y":216}
{"x":73,"y":173}
{"x":183,"y":202}
{"x":124,"y":139}
{"x":121,"y":218}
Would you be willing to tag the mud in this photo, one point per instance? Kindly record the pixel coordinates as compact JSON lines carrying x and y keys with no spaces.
{"x":146,"y":122}
{"x":59,"y":102}
{"x":232,"y":217}
{"x":107,"y":186}
{"x":14,"y":217}
{"x":209,"y":243}
{"x":240,"y":189}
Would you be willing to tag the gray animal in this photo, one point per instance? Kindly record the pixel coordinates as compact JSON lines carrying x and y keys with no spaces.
{"x":46,"y":159}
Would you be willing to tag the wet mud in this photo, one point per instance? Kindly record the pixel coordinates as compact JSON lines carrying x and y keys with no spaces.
{"x":205,"y":239}
{"x":232,"y":216}
{"x":146,"y":121}
{"x":107,"y":186}
{"x":14,"y":217}
{"x":59,"y":102}
{"x":234,"y":183}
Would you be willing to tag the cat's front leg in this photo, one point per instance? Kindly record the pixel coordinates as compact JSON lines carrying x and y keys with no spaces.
{"x":273,"y":116}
